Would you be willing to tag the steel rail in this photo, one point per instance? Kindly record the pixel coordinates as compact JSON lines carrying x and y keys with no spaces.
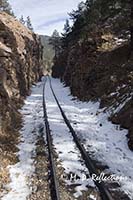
{"x":54,"y":185}
{"x":104,"y":192}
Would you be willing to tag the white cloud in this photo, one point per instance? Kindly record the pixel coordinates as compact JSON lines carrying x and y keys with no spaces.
{"x":46,"y":15}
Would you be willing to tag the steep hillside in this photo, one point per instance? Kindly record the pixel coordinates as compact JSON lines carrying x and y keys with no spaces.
{"x":20,"y":67}
{"x":96,"y":59}
{"x":48,"y":52}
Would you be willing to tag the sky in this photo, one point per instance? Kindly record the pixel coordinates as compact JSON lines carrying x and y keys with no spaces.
{"x":46,"y":15}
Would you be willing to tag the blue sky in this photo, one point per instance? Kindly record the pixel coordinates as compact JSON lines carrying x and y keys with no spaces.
{"x":46,"y":15}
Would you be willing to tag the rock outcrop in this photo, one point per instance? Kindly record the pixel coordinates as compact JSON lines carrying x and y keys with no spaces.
{"x":96,"y":64}
{"x":20,"y":67}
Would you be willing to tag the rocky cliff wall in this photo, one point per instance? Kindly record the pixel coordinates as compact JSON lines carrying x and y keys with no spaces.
{"x":20,"y":67}
{"x":99,"y":68}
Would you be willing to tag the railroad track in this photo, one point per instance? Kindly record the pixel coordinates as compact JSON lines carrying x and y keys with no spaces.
{"x":55,"y":193}
{"x":54,"y":185}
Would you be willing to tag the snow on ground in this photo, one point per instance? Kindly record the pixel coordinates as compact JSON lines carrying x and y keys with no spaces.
{"x":65,"y":147}
{"x":21,"y":172}
{"x":105,"y":141}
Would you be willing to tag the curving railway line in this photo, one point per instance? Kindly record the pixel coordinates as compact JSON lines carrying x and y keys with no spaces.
{"x":54,"y":184}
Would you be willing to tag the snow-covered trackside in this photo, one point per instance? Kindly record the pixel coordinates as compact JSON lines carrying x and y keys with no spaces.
{"x":105,"y":141}
{"x":21,"y":172}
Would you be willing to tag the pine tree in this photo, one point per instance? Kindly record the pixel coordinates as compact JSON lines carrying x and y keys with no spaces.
{"x":29,"y":24}
{"x":5,"y":6}
{"x":131,"y":29}
{"x":65,"y":35}
{"x":22,"y":20}
{"x":55,"y":41}
{"x":66,"y":29}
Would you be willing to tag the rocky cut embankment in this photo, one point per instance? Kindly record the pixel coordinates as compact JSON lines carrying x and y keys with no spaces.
{"x":20,"y":67}
{"x":100,"y":68}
